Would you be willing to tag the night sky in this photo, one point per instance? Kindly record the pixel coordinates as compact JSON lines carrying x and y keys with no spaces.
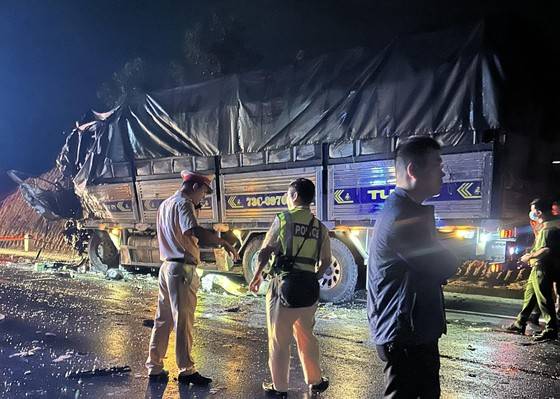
{"x":54,"y":55}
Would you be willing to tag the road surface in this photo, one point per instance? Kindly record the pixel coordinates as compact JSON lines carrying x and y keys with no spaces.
{"x":56,"y":323}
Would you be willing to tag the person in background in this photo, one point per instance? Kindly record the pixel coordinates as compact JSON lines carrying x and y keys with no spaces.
{"x":556,"y":272}
{"x":542,"y":259}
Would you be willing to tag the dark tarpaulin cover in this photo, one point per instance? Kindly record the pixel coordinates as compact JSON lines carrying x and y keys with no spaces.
{"x":441,"y":83}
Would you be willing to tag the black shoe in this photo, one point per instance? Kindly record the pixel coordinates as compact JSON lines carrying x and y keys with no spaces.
{"x":268,"y":387}
{"x":320,"y":387}
{"x":534,"y":318}
{"x":546,"y":335}
{"x":161,"y":377}
{"x":195,"y":379}
{"x":517,"y":328}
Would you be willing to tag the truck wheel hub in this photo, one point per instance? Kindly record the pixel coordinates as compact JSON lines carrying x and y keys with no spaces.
{"x":331,"y":277}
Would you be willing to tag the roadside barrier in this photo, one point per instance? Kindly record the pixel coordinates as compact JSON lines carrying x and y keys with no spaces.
{"x":27,"y":240}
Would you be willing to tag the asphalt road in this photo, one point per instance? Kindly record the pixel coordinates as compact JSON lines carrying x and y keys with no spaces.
{"x":57,"y":323}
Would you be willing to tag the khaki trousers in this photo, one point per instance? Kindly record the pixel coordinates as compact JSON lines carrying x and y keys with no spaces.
{"x":178,"y":284}
{"x":284,"y":323}
{"x":539,"y":293}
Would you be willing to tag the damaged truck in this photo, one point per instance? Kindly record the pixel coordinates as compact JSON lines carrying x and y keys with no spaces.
{"x":335,"y":120}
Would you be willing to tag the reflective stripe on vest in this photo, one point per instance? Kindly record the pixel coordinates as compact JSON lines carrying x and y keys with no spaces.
{"x":293,"y":227}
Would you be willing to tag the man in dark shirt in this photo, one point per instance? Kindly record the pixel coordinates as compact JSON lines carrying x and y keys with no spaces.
{"x":406,"y":269}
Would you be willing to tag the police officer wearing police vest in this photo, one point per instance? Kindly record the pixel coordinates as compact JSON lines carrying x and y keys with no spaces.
{"x":301,"y":245}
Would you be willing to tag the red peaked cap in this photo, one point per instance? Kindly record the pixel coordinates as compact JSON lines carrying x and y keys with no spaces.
{"x":196,"y":178}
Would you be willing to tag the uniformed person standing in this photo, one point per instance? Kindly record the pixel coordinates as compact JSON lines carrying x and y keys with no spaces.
{"x":179,"y":236}
{"x":302,"y":251}
{"x":543,"y":260}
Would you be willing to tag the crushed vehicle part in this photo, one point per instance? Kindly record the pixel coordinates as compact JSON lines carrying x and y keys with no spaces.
{"x":60,"y":203}
{"x":76,"y":236}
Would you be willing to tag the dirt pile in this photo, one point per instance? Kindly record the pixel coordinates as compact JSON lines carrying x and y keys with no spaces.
{"x":17,"y":219}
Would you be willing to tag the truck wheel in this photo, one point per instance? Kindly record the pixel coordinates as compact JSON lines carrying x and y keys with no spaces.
{"x":103,"y":255}
{"x":339,"y":281}
{"x":250,"y":258}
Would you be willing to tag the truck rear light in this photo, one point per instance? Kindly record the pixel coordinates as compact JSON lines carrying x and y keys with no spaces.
{"x":496,"y":267}
{"x":507,"y":233}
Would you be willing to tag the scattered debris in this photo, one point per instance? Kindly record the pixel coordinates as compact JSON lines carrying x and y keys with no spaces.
{"x":2,"y":317}
{"x":28,"y":353}
{"x":63,"y":274}
{"x":95,"y":372}
{"x":222,"y":284}
{"x":35,"y":393}
{"x":233,"y":309}
{"x":39,"y":267}
{"x":207,"y":282}
{"x":51,"y":266}
{"x":62,"y":358}
{"x":119,"y":392}
{"x":471,"y":348}
{"x":114,"y":274}
{"x":215,"y":390}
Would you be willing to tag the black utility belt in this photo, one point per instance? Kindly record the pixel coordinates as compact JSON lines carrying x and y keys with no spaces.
{"x":181,"y":260}
{"x":295,"y":272}
{"x":283,"y":263}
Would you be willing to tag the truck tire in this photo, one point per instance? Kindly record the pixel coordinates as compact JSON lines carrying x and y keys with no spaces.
{"x":103,"y":255}
{"x":339,"y":281}
{"x":250,"y":258}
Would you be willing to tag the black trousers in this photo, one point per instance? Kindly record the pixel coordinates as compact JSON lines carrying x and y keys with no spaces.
{"x":411,"y":371}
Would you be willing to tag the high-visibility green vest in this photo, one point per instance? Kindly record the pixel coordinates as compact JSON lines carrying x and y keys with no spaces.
{"x":293,"y":228}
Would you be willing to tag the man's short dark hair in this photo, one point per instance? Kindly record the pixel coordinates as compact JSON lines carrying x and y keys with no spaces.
{"x":542,"y":204}
{"x":305,"y":189}
{"x":414,"y":149}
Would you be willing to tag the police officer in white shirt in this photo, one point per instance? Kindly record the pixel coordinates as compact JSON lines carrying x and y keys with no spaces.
{"x":179,"y":236}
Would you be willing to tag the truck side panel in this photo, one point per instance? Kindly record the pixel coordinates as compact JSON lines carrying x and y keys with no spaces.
{"x":358,"y":190}
{"x":152,"y":193}
{"x":467,"y":186}
{"x":259,"y":196}
{"x":112,"y":202}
